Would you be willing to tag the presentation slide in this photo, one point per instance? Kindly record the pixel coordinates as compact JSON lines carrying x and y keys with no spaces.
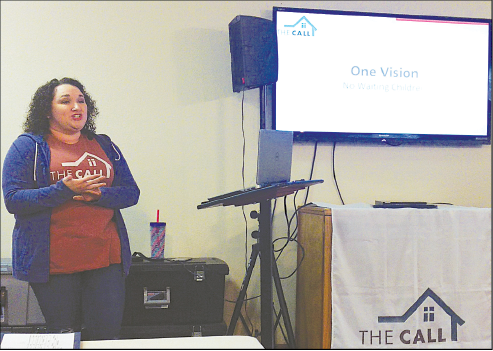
{"x":364,"y":74}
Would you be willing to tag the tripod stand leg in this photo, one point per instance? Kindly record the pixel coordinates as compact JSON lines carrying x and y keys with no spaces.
{"x":282,"y":303}
{"x":243,"y":290}
{"x":265,"y":248}
{"x":245,"y":325}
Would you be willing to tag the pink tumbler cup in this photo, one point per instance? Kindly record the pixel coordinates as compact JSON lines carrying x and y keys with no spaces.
{"x":158,"y":233}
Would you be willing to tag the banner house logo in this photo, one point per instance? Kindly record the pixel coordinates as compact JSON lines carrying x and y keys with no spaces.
{"x":302,"y":28}
{"x":428,"y":320}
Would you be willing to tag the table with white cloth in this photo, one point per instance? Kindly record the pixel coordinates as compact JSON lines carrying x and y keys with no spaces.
{"x":229,"y":342}
{"x":397,"y":278}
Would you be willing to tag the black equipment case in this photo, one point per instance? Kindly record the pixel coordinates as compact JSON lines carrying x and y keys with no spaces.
{"x":174,"y":297}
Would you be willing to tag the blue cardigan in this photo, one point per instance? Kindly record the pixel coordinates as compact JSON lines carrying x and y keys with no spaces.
{"x":30,"y":197}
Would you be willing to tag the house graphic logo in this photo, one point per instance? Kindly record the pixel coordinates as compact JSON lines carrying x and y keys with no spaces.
{"x":430,"y":320}
{"x":303,"y":28}
{"x":91,"y":162}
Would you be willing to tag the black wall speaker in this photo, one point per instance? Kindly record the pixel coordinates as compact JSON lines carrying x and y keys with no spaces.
{"x":253,"y":47}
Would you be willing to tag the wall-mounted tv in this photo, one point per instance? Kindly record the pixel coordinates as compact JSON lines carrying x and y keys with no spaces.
{"x":349,"y":76}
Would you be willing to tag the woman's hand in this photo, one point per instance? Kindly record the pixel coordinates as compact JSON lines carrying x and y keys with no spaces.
{"x":87,"y":187}
{"x":88,"y":196}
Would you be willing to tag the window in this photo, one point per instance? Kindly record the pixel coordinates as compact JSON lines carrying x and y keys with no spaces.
{"x":429,"y":314}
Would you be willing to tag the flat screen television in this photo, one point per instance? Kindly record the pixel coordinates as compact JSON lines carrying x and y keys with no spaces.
{"x":358,"y":76}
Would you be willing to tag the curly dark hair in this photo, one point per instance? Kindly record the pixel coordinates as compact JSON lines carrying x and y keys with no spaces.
{"x":40,"y":107}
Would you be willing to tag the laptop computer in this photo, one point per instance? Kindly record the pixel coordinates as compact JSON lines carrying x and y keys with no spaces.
{"x":275,"y":152}
{"x":274,"y":157}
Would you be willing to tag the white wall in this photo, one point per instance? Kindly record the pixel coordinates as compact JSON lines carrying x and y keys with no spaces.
{"x":160,"y":72}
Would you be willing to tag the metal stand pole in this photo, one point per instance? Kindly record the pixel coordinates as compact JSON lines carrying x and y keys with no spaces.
{"x":268,"y":273}
{"x":265,"y":246}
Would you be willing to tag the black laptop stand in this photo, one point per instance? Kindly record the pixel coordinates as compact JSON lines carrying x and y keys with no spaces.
{"x":264,"y":248}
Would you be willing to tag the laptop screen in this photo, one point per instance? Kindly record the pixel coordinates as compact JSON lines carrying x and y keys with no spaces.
{"x":275,"y":151}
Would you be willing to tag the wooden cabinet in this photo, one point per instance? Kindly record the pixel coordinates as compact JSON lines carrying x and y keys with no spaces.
{"x":313,"y":279}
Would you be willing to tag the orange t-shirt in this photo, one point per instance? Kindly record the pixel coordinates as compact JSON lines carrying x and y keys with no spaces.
{"x":83,"y":236}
